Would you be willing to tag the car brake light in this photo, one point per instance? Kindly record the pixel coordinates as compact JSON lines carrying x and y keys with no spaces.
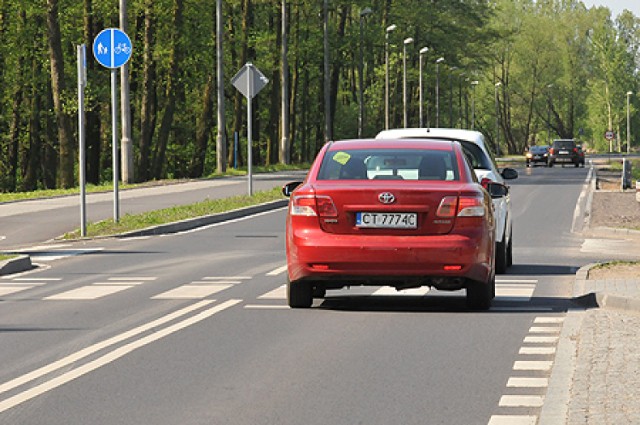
{"x":463,"y":206}
{"x":311,"y":205}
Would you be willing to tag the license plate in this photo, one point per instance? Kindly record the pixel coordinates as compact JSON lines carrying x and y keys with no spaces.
{"x":387,"y":220}
{"x":563,"y":152}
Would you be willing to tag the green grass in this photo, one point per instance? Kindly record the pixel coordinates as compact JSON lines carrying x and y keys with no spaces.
{"x":131,"y":222}
{"x":4,"y":257}
{"x":108,"y":187}
{"x":612,"y":264}
{"x":616,"y":165}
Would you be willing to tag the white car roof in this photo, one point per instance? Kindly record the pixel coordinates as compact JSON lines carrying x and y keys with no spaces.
{"x":450,"y":133}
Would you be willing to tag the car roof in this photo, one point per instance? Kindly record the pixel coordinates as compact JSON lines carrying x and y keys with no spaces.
{"x":426,"y":144}
{"x":434,"y":133}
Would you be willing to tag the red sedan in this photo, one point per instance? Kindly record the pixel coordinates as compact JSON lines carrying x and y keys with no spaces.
{"x":401,"y":213}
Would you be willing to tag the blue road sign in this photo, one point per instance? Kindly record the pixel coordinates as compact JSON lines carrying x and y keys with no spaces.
{"x":112,"y":48}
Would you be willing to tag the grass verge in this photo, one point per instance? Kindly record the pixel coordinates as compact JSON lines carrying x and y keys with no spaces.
{"x":4,"y":257}
{"x":131,"y":222}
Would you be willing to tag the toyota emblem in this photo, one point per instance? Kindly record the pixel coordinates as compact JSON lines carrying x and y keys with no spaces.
{"x":387,"y":198}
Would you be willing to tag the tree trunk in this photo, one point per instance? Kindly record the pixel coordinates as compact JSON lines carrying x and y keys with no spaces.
{"x":205,"y":123}
{"x":171,"y":92}
{"x":148,"y":102}
{"x":92,"y":114}
{"x":66,"y":175}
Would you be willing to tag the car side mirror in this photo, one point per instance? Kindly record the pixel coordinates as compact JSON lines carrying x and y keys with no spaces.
{"x":497,"y":190}
{"x":288,"y":188}
{"x":509,"y":174}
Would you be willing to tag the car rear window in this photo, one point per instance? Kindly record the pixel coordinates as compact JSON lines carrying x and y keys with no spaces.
{"x":564,"y":144}
{"x":388,"y":164}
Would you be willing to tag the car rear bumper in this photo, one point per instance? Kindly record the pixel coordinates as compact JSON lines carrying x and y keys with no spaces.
{"x":441,"y":261}
{"x":567,"y":159}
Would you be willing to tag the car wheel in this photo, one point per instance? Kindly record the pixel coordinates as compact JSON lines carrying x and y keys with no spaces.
{"x":501,"y":255}
{"x":577,"y":164}
{"x":299,"y":294}
{"x":528,"y":164}
{"x":510,"y":251}
{"x":479,"y":295}
{"x":550,"y":164}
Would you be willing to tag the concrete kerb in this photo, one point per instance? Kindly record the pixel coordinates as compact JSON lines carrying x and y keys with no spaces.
{"x":17,"y":264}
{"x":23,"y":262}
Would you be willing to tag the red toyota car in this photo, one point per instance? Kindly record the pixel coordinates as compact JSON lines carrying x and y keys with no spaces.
{"x":403,"y":213}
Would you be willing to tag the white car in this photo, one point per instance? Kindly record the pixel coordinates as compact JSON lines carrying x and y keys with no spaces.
{"x":474,"y":146}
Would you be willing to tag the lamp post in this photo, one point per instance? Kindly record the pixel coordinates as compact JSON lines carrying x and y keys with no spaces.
{"x":363,"y":14}
{"x":423,"y":51}
{"x":407,"y":41}
{"x":389,"y":29}
{"x":473,"y":105}
{"x":438,"y":62}
{"x":629,"y":93}
{"x":549,"y":114}
{"x":498,"y":84}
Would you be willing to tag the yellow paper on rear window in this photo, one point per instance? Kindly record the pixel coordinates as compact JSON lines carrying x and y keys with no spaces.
{"x":341,"y":158}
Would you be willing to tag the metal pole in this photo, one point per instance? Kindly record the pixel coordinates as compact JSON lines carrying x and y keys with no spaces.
{"x":249,"y":140}
{"x":114,"y":142}
{"x":420,"y":90}
{"x":498,"y":84}
{"x":221,"y":146}
{"x":437,"y":94}
{"x":327,"y":104}
{"x":404,"y":84}
{"x":125,"y":106}
{"x":285,"y":154}
{"x":386,"y":75}
{"x":81,"y":138}
{"x":628,"y":123}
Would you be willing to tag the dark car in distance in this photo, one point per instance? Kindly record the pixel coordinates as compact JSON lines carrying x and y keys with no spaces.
{"x":565,"y":151}
{"x":537,"y":154}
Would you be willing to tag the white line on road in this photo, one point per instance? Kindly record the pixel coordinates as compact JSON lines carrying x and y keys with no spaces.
{"x":533,"y":365}
{"x":516,"y":382}
{"x":106,"y":358}
{"x":277,"y":271}
{"x":513,"y":420}
{"x":521,"y":401}
{"x":191,"y":292}
{"x":88,"y":293}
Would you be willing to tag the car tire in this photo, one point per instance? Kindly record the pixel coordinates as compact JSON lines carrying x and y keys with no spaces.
{"x":501,"y":256}
{"x":299,"y":294}
{"x":479,"y":295}
{"x":550,"y":164}
{"x":510,"y":251}
{"x":577,"y":164}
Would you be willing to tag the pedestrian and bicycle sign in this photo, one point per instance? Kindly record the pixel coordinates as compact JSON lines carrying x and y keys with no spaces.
{"x":112,"y":48}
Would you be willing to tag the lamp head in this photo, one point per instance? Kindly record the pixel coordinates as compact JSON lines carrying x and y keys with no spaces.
{"x":440,"y":60}
{"x":391,"y":28}
{"x":424,"y":50}
{"x":408,"y":40}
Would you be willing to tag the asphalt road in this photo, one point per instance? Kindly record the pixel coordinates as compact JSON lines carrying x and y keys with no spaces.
{"x":193,"y":328}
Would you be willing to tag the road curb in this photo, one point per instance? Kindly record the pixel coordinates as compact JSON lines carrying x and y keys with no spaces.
{"x":18,"y":264}
{"x":192,"y":223}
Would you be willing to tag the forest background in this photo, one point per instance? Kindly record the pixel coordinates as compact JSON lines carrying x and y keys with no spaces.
{"x":521,"y":71}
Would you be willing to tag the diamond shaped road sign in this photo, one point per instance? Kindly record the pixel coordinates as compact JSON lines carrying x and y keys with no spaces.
{"x":249,"y":80}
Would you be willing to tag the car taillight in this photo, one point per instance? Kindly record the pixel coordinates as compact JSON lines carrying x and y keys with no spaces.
{"x":462,"y":206}
{"x":551,"y":151}
{"x":311,"y":205}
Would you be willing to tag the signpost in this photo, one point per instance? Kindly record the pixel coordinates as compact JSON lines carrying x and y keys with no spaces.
{"x":610,"y":135}
{"x":82,"y":83}
{"x":112,"y":49}
{"x":249,"y":81}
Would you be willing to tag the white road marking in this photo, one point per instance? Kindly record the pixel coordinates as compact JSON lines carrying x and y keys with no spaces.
{"x":191,"y":292}
{"x":548,"y":320}
{"x":532,"y":365}
{"x":6,"y":290}
{"x":513,"y":420}
{"x":531,"y":281}
{"x":227,"y":277}
{"x":280,"y":293}
{"x":516,"y":382}
{"x":537,"y":350}
{"x":266,"y":307}
{"x":128,"y":278}
{"x":511,"y":292}
{"x":544,"y":330}
{"x":29,"y":284}
{"x":119,"y":283}
{"x":388,"y":290}
{"x":87,"y":293}
{"x":209,"y":282}
{"x":42,"y":279}
{"x":106,"y":358}
{"x":521,"y":401}
{"x":277,"y":271}
{"x":541,"y":339}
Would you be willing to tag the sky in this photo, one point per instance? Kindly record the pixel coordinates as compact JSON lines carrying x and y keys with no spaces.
{"x":616,"y":6}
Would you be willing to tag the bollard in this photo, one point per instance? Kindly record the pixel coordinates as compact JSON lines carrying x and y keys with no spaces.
{"x":626,"y":174}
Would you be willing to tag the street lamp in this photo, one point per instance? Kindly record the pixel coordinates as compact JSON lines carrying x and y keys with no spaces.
{"x":498,"y":84}
{"x":549,"y":86}
{"x":473,"y":105}
{"x":389,"y":29}
{"x":363,"y":13}
{"x":407,"y":41}
{"x":438,"y":62}
{"x":423,"y":51}
{"x":628,"y":123}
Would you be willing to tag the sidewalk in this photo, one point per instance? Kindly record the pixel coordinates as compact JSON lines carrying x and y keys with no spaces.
{"x":596,"y":374}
